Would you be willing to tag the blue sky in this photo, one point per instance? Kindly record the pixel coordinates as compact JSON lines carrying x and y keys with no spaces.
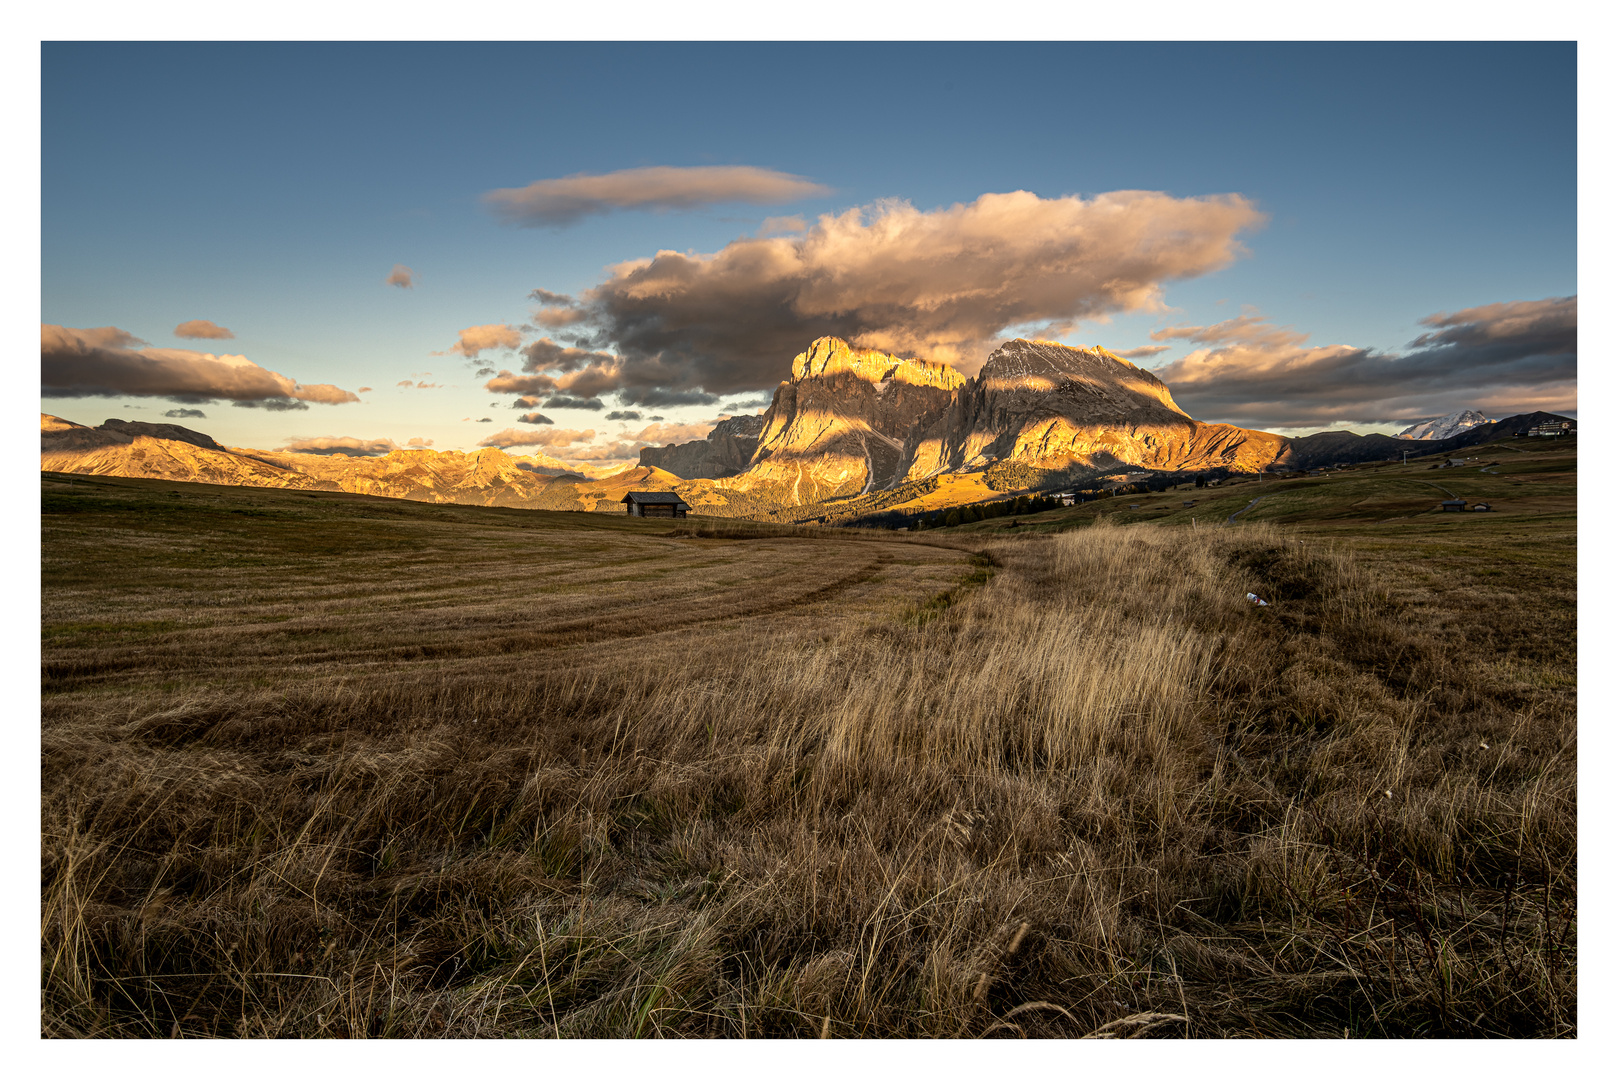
{"x":271,"y":188}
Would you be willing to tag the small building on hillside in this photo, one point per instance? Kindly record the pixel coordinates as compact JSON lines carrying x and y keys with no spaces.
{"x":1482,"y":506}
{"x":1453,"y":504}
{"x":654,"y":504}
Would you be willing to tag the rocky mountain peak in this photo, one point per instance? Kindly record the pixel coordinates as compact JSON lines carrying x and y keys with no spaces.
{"x":1108,"y":379}
{"x":1444,"y":427}
{"x":829,"y":356}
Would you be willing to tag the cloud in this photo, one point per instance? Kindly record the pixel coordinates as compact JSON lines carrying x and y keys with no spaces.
{"x":555,"y":299}
{"x":1497,"y":358}
{"x":659,"y":187}
{"x":423,"y":385}
{"x":746,"y":405}
{"x":563,"y":401}
{"x":401,"y":276}
{"x":533,"y":418}
{"x":775,"y":226}
{"x":684,"y":328}
{"x":484,"y":419}
{"x":101,"y":362}
{"x":419,"y":444}
{"x":186,"y":414}
{"x":346,"y":445}
{"x":662,"y":434}
{"x":476,"y":339}
{"x":201,"y":328}
{"x":363,"y":390}
{"x":622,"y":414}
{"x":548,"y":437}
{"x":1144,"y":351}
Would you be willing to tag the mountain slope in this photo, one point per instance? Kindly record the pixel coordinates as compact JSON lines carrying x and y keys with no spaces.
{"x":726,"y":451}
{"x":1445,"y":427}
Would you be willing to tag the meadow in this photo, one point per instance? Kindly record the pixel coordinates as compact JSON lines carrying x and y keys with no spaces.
{"x":329,"y":765}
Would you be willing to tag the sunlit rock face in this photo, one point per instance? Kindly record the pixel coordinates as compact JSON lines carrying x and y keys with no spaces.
{"x":726,"y":451}
{"x":847,"y":420}
{"x":169,"y":452}
{"x":852,"y":420}
{"x":1050,"y":406}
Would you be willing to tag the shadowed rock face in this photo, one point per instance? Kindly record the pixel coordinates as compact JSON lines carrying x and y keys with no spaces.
{"x":726,"y":451}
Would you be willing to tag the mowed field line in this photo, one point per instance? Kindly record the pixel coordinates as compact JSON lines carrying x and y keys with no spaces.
{"x":195,"y":597}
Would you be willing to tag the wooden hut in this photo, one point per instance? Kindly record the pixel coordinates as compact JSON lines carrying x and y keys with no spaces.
{"x":654,"y":504}
{"x":1453,"y":504}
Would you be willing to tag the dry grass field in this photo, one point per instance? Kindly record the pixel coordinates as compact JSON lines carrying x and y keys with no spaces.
{"x":347,"y":767}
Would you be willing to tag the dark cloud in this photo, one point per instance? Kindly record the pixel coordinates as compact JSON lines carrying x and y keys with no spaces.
{"x":201,"y":328}
{"x":345,"y":445}
{"x":186,"y":414}
{"x":621,"y":414}
{"x":483,"y":373}
{"x":485,"y":420}
{"x":527,"y":385}
{"x":656,"y":397}
{"x":1496,"y":358}
{"x":684,"y":328}
{"x":102,"y":363}
{"x":533,"y":418}
{"x":268,"y":405}
{"x":564,"y":401}
{"x":746,"y":405}
{"x":660,"y":187}
{"x":552,"y":299}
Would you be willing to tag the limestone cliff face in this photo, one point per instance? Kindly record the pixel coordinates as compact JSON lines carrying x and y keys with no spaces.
{"x":726,"y":451}
{"x":844,"y":421}
{"x":851,"y":420}
{"x":169,"y":452}
{"x":1050,"y":406}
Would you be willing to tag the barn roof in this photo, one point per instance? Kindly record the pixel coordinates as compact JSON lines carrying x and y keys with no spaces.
{"x":654,"y":498}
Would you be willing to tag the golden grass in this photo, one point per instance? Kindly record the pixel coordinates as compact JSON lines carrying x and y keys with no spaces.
{"x":1075,"y":786}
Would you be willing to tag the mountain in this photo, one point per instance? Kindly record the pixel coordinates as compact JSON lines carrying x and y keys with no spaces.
{"x":1345,"y":447}
{"x":1445,"y":427}
{"x":170,"y":452}
{"x":846,"y":420}
{"x":853,"y":421}
{"x":1052,"y":406}
{"x":726,"y":451}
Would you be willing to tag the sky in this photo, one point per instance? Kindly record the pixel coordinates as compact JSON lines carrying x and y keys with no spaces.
{"x":581,"y":249}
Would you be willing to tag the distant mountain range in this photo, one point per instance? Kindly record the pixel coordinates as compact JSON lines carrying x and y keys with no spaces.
{"x":850,"y":431}
{"x":1445,"y":427}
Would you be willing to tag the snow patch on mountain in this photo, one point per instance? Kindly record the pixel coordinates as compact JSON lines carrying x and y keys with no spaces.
{"x":1444,"y":427}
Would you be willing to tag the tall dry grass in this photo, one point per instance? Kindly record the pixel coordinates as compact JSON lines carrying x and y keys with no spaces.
{"x":1091,"y":792}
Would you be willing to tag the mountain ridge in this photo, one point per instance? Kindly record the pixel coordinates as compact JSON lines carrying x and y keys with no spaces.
{"x":848,"y":423}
